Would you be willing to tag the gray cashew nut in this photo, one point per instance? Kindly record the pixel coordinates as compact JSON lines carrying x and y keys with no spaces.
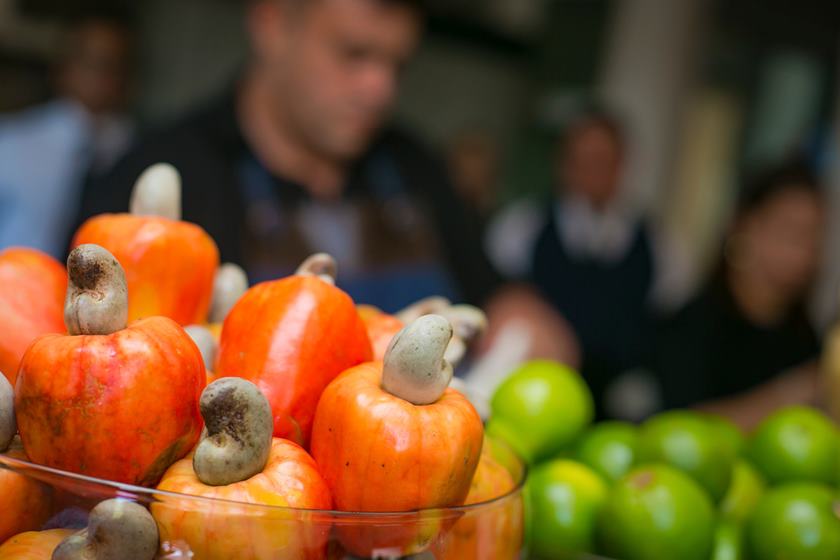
{"x":8,"y":426}
{"x":414,"y":367}
{"x":117,"y":530}
{"x":238,"y":432}
{"x":97,"y":295}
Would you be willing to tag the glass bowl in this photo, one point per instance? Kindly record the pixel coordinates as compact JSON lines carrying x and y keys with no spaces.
{"x":37,"y":498}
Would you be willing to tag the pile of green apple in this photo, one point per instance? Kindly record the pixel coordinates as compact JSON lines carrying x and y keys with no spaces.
{"x":682,"y":485}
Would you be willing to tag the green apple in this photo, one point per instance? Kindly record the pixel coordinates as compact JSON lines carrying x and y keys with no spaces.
{"x":564,"y":498}
{"x":744,"y":492}
{"x":796,"y":444}
{"x":796,"y":520}
{"x":657,"y":512}
{"x":540,"y":408}
{"x":688,"y":441}
{"x":610,"y":448}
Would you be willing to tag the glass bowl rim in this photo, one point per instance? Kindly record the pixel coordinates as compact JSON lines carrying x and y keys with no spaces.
{"x":151,"y":495}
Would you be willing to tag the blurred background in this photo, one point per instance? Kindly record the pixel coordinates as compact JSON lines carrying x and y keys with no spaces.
{"x":701,"y":96}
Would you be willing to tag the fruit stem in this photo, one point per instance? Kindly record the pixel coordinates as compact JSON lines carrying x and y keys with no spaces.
{"x":8,"y":426}
{"x":117,"y":528}
{"x":468,"y":324}
{"x":320,"y":265}
{"x":414,"y":367}
{"x":206,"y":343}
{"x":239,"y":426}
{"x":431,"y":304}
{"x":228,"y":286}
{"x":97,"y":297}
{"x":157,"y":192}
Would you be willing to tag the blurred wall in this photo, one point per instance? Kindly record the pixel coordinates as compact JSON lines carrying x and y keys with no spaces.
{"x":450,"y":87}
{"x":651,"y":59}
{"x":827,"y":298}
{"x":189,"y":49}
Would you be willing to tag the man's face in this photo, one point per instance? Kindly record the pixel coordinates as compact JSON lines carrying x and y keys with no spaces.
{"x":333,"y":66}
{"x":591,"y":165}
{"x":96,"y":72}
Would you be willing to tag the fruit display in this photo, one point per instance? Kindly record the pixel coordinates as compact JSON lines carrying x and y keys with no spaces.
{"x":397,"y":423}
{"x":157,"y":407}
{"x":153,"y":406}
{"x":682,"y":484}
{"x":240,"y":461}
{"x":106,"y":382}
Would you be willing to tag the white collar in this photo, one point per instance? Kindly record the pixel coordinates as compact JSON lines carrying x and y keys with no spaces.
{"x":602,"y":235}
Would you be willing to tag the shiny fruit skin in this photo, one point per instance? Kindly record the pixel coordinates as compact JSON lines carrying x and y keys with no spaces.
{"x":169,"y":265}
{"x":122,"y":406}
{"x":729,"y":542}
{"x":33,"y":545}
{"x":565,"y":500}
{"x":381,"y":328}
{"x":744,"y":492}
{"x":493,"y":530}
{"x":380,"y":453}
{"x":291,"y":337}
{"x":610,"y":448}
{"x":31,"y":303}
{"x":223,"y":530}
{"x":796,"y":443}
{"x":796,"y":520}
{"x":688,"y":441}
{"x":540,"y":408}
{"x":657,"y":512}
{"x":24,"y":502}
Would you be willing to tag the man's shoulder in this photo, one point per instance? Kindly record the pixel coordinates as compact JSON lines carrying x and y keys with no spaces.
{"x":408,"y":150}
{"x":200,"y":146}
{"x":55,"y":122}
{"x":195,"y":138}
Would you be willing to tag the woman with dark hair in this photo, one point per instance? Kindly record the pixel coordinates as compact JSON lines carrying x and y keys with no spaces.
{"x":745,"y":345}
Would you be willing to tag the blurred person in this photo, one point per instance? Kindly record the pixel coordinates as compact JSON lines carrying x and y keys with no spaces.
{"x":49,"y":151}
{"x":298,"y":156}
{"x":745,"y":345}
{"x":595,"y":261}
{"x":474,"y":165}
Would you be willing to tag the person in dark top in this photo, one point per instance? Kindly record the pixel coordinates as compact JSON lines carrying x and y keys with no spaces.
{"x":593,"y":257}
{"x":297,"y":157}
{"x":745,"y":345}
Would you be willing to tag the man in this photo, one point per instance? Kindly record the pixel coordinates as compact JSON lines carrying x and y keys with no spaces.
{"x":297,"y":159}
{"x":596,"y":261}
{"x":47,"y":152}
